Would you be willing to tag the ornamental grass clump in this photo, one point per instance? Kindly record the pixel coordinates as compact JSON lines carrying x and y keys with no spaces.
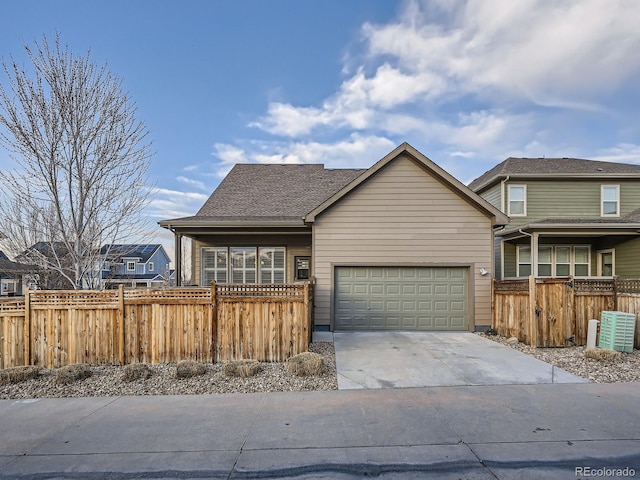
{"x":18,"y":374}
{"x":72,"y":373}
{"x":136,"y":371}
{"x":305,"y":364}
{"x":189,"y":368}
{"x":602,"y":354}
{"x":242,"y":368}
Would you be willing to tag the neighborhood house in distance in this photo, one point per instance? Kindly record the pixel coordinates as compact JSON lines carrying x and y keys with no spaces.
{"x":130,"y":265}
{"x":135,"y":265}
{"x":568,"y":217}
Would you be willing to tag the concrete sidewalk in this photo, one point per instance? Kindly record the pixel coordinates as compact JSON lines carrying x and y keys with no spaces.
{"x":507,"y":431}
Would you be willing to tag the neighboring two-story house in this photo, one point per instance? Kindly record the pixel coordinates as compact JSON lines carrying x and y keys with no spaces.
{"x":13,"y":276}
{"x":135,"y":265}
{"x":568,"y":217}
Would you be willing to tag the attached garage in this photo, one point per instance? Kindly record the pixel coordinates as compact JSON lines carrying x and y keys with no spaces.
{"x":401,"y":298}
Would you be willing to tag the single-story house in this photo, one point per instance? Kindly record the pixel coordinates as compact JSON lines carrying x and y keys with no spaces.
{"x":402,"y":245}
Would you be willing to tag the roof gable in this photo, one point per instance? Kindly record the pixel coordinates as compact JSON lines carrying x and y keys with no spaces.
{"x":448,"y":180}
{"x":553,"y":167}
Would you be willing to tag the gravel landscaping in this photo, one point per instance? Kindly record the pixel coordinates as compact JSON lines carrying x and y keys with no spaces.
{"x":108,"y":381}
{"x":572,"y":359}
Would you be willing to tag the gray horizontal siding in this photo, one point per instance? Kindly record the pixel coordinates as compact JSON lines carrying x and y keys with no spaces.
{"x":402,"y":215}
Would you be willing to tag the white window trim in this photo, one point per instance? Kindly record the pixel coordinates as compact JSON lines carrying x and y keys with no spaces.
{"x":509,"y":201}
{"x":611,"y":215}
{"x":272,"y":270}
{"x":612,"y":251}
{"x":151,"y":266}
{"x":129,"y":263}
{"x":518,"y":259}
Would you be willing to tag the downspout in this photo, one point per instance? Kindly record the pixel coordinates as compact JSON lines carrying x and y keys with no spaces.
{"x":502,"y":195}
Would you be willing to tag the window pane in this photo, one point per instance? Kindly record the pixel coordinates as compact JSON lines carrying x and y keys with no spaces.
{"x":544,"y":270}
{"x":544,"y":255}
{"x":214,"y":265}
{"x":272,"y":264}
{"x":563,"y":255}
{"x":524,"y":270}
{"x":581,"y":255}
{"x":516,"y":208}
{"x":563,"y":270}
{"x":243,"y":260}
{"x":610,"y":194}
{"x":610,"y":208}
{"x":516,"y":193}
{"x":582,"y":270}
{"x":524,"y":254}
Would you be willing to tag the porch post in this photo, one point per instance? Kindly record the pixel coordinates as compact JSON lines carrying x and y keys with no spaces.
{"x":178,"y":257}
{"x":534,"y":254}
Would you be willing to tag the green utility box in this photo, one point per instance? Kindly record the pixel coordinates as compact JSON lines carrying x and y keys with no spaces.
{"x":617,"y":330}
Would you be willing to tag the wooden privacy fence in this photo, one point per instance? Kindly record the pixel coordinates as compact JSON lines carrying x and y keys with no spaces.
{"x":547,"y":312}
{"x":224,"y":322}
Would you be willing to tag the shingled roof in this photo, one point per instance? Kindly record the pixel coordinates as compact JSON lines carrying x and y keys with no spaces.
{"x":553,"y":167}
{"x":272,"y":193}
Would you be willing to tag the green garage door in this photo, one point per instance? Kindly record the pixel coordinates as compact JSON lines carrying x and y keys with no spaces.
{"x":401,"y":298}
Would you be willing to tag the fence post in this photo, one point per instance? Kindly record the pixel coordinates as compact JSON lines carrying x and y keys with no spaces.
{"x":308,"y":315}
{"x":533,"y":319}
{"x":213,"y":316}
{"x":27,"y":327}
{"x":615,"y":292}
{"x":123,"y":336}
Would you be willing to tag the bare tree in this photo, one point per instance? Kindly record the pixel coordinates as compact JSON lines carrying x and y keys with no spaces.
{"x":82,"y":160}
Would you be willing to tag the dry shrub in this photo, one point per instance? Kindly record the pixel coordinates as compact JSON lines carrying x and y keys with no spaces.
{"x":602,"y":354}
{"x":304,"y":364}
{"x":242,"y":368}
{"x":72,"y":373}
{"x":136,"y":371}
{"x":18,"y":374}
{"x":189,"y":368}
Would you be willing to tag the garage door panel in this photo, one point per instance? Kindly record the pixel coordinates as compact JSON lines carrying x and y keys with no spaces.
{"x":402,"y":298}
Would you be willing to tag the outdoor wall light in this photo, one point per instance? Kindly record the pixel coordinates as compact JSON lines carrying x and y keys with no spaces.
{"x":484,"y":271}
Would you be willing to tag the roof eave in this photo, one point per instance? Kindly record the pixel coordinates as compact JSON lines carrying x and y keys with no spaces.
{"x":598,"y":175}
{"x":572,"y":226}
{"x":172,"y":224}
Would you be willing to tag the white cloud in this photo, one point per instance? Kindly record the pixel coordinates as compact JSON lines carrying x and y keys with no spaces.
{"x":356,"y":151}
{"x":191,"y":182}
{"x":564,"y":54}
{"x":166,"y":203}
{"x":548,"y":52}
{"x":623,"y":153}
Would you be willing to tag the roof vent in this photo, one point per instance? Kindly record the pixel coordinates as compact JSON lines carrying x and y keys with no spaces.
{"x":600,"y":169}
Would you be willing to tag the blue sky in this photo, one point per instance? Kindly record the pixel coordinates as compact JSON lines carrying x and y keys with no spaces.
{"x":468,"y":83}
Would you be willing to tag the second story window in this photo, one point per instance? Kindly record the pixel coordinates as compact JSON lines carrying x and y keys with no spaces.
{"x":151,"y":266}
{"x":131,"y":266}
{"x":610,"y":205}
{"x":517,"y":201}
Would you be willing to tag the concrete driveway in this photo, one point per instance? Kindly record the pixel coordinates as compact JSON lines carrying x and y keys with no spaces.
{"x":434,"y":359}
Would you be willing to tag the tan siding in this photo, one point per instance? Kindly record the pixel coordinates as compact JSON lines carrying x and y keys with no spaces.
{"x":402,"y":215}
